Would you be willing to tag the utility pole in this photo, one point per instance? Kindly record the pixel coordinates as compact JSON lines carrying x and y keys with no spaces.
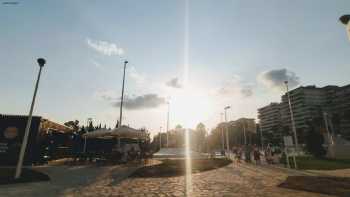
{"x":41,"y":62}
{"x":122,"y":98}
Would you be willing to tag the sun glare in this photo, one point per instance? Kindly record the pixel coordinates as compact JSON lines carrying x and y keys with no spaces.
{"x":190,"y":107}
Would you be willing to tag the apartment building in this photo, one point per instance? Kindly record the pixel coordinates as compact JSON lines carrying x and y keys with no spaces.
{"x":308,"y":103}
{"x":270,"y":122}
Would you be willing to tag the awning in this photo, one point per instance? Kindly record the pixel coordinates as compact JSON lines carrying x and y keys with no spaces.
{"x":121,"y":132}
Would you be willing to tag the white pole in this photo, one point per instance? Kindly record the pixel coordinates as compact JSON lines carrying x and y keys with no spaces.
{"x":330,"y":140}
{"x":167,"y":127}
{"x":227,"y":138}
{"x":41,"y":63}
{"x":244,"y":134}
{"x":293,"y":126}
{"x":160,"y":138}
{"x":122,"y":98}
{"x":226,"y":127}
{"x":222,"y":134}
{"x":261,"y":137}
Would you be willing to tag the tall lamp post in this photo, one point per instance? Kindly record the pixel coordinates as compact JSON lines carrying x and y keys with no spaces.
{"x":160,"y":138}
{"x":222,"y":133}
{"x":41,"y":62}
{"x":293,"y":124}
{"x":227,"y":139}
{"x":244,"y":133}
{"x":122,"y":98}
{"x":345,"y":20}
{"x":167,"y":126}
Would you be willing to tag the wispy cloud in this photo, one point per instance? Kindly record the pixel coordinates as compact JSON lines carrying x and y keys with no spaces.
{"x":96,"y":64}
{"x":107,"y":95}
{"x":236,"y":86}
{"x":104,"y":47}
{"x":139,"y":78}
{"x":174,"y":83}
{"x":275,"y":78}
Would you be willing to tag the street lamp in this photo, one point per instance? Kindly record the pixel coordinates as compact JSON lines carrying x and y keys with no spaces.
{"x":41,"y":63}
{"x":227,"y":139}
{"x":122,"y":98}
{"x":160,"y":138}
{"x":167,"y":126}
{"x":345,"y":20}
{"x":293,"y":123}
{"x":244,"y":133}
{"x":222,"y":133}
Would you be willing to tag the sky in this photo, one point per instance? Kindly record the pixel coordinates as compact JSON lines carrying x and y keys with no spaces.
{"x":197,"y":55}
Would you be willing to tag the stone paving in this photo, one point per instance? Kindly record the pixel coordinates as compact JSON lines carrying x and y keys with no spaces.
{"x":242,"y":180}
{"x":232,"y":180}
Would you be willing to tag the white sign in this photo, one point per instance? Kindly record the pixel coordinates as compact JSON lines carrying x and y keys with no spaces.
{"x":288,"y":141}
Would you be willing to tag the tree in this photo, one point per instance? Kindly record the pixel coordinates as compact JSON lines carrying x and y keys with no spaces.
{"x":200,"y":136}
{"x":90,"y":127}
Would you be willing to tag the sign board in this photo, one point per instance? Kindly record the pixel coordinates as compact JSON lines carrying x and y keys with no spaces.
{"x":288,"y":141}
{"x":11,"y":135}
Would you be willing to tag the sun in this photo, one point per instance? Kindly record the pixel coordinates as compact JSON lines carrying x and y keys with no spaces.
{"x":189,"y":106}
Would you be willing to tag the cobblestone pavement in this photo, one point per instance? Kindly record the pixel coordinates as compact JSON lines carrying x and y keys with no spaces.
{"x":232,"y":180}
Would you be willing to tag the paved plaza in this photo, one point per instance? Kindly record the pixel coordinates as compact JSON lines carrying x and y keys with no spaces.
{"x":232,"y":180}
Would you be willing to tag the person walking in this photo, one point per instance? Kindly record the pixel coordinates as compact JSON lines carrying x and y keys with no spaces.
{"x":257,"y":156}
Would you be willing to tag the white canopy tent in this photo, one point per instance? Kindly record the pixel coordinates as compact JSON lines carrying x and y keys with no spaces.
{"x":121,"y":132}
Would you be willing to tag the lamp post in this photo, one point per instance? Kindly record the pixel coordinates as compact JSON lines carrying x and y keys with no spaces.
{"x":345,"y":20}
{"x":167,"y":126}
{"x":160,"y":138}
{"x":122,"y":98}
{"x":244,"y":133}
{"x":222,"y":134}
{"x":227,"y":139}
{"x":41,"y":63}
{"x":293,"y":124}
{"x":261,"y":137}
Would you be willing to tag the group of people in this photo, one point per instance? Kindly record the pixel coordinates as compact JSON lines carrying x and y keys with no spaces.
{"x":252,"y":153}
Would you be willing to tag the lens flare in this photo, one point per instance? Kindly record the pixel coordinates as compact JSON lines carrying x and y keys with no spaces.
{"x":188,"y":170}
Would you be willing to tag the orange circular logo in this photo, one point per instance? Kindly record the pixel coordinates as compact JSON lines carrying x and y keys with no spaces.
{"x":11,"y":132}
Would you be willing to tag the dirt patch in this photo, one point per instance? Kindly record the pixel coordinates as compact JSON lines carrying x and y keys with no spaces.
{"x":339,"y":186}
{"x":176,"y":167}
{"x":28,"y":175}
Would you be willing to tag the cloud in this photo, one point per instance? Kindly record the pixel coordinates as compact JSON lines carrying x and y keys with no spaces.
{"x":247,"y":91}
{"x":146,"y":101}
{"x":96,"y":64}
{"x":275,"y":78}
{"x":174,"y":83}
{"x":236,"y":87}
{"x":105,"y":48}
{"x":139,"y":78}
{"x":107,"y":95}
